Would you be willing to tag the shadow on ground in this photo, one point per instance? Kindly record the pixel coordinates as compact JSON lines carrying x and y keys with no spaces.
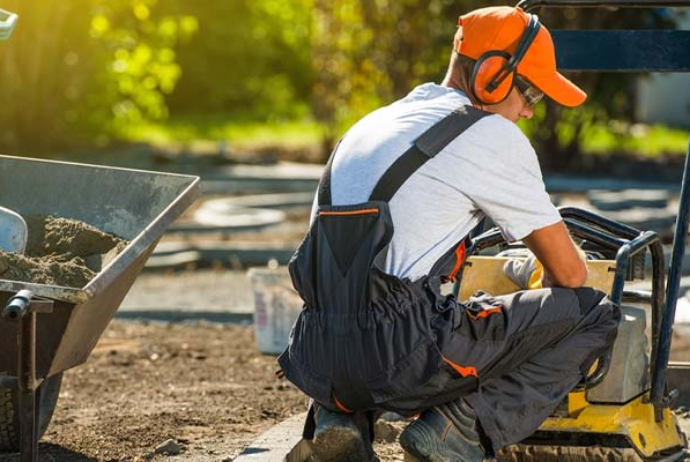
{"x":242,"y":319}
{"x":51,"y":453}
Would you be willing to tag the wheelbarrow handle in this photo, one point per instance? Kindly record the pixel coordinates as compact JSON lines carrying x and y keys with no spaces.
{"x":18,"y":305}
{"x":7,"y":22}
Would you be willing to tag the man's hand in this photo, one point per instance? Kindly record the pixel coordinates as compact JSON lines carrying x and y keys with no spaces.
{"x":527,"y":273}
{"x":564,"y":264}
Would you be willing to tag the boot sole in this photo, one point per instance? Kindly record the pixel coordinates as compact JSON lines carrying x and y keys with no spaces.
{"x":339,"y":444}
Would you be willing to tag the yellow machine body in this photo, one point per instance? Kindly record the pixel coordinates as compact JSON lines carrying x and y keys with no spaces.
{"x":634,"y":420}
{"x":486,"y":273}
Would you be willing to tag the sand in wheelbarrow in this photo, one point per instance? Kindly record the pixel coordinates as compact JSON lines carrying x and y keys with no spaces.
{"x":62,"y":252}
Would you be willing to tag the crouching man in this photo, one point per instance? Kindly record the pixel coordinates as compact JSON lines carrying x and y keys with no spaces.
{"x":400,"y":194}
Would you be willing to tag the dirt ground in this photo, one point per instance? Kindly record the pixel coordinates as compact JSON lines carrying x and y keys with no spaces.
{"x":203,"y":385}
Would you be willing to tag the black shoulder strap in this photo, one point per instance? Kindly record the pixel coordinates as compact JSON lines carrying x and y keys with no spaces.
{"x":430,"y":143}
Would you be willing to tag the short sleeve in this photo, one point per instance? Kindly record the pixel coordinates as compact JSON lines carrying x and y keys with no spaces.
{"x":508,"y":187}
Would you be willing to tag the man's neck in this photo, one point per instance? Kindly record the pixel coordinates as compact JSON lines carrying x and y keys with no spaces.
{"x":452,"y":80}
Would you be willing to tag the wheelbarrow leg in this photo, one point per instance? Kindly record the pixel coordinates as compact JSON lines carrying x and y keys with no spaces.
{"x":29,"y":409}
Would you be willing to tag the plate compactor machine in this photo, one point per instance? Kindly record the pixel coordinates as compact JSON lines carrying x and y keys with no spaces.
{"x":623,"y":410}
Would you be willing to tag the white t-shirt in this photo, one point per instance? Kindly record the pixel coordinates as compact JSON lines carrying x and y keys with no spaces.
{"x":490,"y":169}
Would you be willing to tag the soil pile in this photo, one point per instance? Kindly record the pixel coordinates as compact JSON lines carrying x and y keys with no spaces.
{"x":62,"y":252}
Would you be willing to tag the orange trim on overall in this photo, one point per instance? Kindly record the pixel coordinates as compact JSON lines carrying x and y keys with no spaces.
{"x":459,"y":259}
{"x":353,"y":212}
{"x":340,"y":406}
{"x":464,"y":371}
{"x":485,"y":313}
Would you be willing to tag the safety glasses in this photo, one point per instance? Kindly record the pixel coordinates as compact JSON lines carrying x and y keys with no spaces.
{"x":531,"y":93}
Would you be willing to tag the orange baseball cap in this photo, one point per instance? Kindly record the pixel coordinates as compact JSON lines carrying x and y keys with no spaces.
{"x":500,"y":28}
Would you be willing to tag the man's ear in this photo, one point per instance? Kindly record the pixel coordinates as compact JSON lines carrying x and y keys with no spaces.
{"x":457,"y":40}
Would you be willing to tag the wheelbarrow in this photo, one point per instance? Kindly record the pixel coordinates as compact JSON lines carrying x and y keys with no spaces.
{"x":47,"y":329}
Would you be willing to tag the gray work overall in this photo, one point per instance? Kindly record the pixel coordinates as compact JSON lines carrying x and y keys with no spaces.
{"x":369,"y":341}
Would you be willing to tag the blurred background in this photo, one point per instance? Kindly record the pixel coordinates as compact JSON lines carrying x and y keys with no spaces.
{"x":283,"y":79}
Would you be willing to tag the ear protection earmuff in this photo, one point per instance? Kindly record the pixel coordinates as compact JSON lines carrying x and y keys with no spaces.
{"x":494,"y":72}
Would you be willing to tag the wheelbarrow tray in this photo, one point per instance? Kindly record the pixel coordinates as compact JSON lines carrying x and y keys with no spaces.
{"x":132,"y":204}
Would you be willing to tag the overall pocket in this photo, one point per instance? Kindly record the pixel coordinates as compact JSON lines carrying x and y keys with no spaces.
{"x":401,"y":345}
{"x":483,"y":318}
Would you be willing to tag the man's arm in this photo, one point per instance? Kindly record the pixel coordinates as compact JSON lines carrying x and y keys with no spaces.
{"x":564,"y":265}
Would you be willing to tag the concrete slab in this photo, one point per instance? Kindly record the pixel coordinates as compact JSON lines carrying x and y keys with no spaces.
{"x":274,"y":201}
{"x":248,"y":179}
{"x":569,"y":183}
{"x":233,"y":254}
{"x":224,"y":292}
{"x":282,"y":443}
{"x":281,"y":170}
{"x":629,"y":198}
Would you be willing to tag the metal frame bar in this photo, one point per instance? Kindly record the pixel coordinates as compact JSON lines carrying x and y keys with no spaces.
{"x":672,"y":290}
{"x":529,"y":5}
{"x":604,"y":223}
{"x":610,"y":50}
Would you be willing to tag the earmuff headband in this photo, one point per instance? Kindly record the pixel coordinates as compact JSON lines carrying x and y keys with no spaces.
{"x":526,"y":40}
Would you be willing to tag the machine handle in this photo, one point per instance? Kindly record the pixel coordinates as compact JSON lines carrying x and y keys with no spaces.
{"x":7,"y":22}
{"x":599,"y":374}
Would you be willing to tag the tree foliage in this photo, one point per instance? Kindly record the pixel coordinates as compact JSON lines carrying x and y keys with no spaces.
{"x":250,"y":58}
{"x":140,"y":59}
{"x":85,"y":67}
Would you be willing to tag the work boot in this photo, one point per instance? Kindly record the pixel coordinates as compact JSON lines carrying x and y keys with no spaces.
{"x":341,"y":437}
{"x":446,"y":433}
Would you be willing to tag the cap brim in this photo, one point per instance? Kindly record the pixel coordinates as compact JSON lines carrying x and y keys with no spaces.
{"x":559,"y":89}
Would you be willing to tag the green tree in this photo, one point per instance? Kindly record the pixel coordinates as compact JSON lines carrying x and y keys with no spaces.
{"x":84,"y":68}
{"x":250,"y":58}
{"x":139,"y":63}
